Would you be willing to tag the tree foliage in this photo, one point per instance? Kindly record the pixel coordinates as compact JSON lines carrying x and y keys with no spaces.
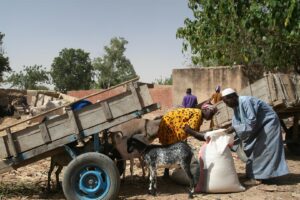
{"x":4,"y":62}
{"x":31,"y":77}
{"x":243,"y":32}
{"x":72,"y":70}
{"x":164,"y":81}
{"x":113,"y":67}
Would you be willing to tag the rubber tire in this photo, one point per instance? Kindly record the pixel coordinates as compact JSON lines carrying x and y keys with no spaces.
{"x":293,"y":147}
{"x":95,"y":159}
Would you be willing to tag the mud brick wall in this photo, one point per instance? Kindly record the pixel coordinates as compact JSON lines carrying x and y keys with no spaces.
{"x":204,"y":80}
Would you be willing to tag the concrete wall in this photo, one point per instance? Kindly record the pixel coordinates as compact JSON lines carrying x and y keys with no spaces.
{"x":204,"y":80}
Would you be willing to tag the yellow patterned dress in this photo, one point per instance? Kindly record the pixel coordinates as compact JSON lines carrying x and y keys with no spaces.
{"x":171,"y":128}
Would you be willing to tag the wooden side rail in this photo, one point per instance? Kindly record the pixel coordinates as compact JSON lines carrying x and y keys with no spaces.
{"x":34,"y":117}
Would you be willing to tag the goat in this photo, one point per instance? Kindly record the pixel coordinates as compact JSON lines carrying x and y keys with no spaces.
{"x":143,"y":129}
{"x":60,"y":160}
{"x":146,"y":127}
{"x":120,"y":143}
{"x":63,"y":159}
{"x":164,"y":156}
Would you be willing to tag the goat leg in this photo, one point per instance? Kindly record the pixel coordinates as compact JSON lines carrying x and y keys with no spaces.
{"x":58,"y":186}
{"x":166,"y":173}
{"x":143,"y":166}
{"x":187,"y":170}
{"x":123,"y":179}
{"x":49,"y":175}
{"x":152,"y":185}
{"x":131,"y":166}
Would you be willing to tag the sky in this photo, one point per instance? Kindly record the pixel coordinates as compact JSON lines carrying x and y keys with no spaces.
{"x":37,"y":30}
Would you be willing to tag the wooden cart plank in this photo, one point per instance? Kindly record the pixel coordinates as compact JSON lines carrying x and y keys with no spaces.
{"x":73,"y":137}
{"x":272,"y":88}
{"x":11,"y":143}
{"x":107,"y":113}
{"x":73,"y":123}
{"x":117,"y":121}
{"x":9,"y":164}
{"x":61,"y":107}
{"x":61,"y":127}
{"x":5,"y":166}
{"x":135,"y":97}
{"x":288,"y":89}
{"x":3,"y":149}
{"x":145,"y":96}
{"x":45,"y":133}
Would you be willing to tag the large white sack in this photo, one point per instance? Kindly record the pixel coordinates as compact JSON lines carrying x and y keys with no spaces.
{"x":217,"y":170}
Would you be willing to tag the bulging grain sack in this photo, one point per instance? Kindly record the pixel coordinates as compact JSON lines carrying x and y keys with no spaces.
{"x":217,"y":171}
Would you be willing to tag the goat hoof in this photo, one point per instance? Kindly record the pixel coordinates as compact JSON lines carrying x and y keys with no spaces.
{"x":152,"y":192}
{"x":191,"y":196}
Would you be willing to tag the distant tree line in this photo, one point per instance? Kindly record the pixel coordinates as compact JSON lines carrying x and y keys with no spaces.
{"x":73,"y":69}
{"x":4,"y":62}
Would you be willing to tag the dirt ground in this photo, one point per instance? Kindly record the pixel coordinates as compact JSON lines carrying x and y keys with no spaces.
{"x":30,"y":182}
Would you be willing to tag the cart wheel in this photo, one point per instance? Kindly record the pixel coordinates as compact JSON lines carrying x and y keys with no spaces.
{"x":91,"y":176}
{"x":292,"y":146}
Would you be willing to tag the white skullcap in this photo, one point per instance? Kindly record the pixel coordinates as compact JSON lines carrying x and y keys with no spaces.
{"x":227,"y":91}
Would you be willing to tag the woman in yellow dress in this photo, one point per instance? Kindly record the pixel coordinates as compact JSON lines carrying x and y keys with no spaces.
{"x":176,"y":125}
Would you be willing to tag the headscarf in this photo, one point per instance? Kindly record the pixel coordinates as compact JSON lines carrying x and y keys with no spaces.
{"x":218,"y":88}
{"x":209,"y":107}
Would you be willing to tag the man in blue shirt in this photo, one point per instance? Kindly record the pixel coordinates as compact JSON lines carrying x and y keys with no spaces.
{"x":189,"y":100}
{"x":258,"y":127}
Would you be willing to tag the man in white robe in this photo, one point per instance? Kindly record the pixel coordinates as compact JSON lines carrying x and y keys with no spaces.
{"x":258,"y":127}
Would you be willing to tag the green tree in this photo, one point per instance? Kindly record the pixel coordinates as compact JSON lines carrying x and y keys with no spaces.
{"x":72,"y":70}
{"x":4,"y":62}
{"x":246,"y":32}
{"x":30,"y":78}
{"x":113,"y":67}
{"x":164,"y":81}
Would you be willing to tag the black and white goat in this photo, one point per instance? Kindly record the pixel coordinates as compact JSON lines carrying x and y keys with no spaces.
{"x":156,"y":156}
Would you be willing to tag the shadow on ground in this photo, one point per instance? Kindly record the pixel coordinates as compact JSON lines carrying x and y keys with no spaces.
{"x":138,"y":186}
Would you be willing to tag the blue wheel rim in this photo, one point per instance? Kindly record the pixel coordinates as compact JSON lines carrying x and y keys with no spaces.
{"x":92,"y":183}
